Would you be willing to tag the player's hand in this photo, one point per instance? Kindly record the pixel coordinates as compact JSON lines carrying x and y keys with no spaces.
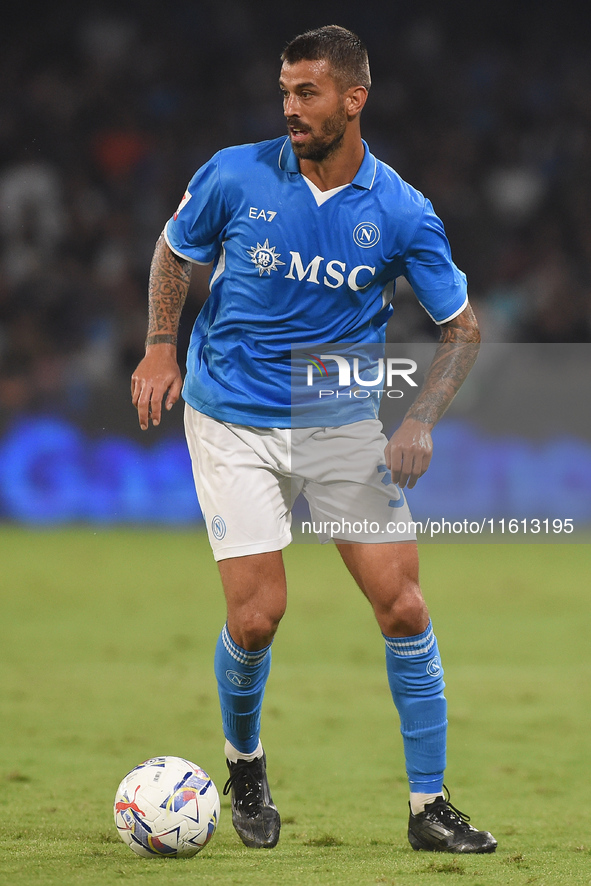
{"x":409,"y":452}
{"x":158,"y":375}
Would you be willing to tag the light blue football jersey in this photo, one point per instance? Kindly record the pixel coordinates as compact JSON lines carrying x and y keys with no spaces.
{"x":288,"y":273}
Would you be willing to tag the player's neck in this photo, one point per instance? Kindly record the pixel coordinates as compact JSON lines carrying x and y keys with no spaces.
{"x":338,"y":169}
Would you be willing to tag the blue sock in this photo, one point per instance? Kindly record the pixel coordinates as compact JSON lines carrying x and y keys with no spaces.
{"x":416,"y":682}
{"x":241,"y":677}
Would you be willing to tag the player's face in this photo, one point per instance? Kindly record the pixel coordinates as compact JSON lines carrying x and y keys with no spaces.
{"x":314,"y":108}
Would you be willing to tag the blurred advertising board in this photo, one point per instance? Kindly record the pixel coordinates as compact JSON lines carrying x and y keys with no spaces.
{"x":515,"y":445}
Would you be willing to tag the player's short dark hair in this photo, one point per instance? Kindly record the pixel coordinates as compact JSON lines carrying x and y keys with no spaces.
{"x":343,"y":49}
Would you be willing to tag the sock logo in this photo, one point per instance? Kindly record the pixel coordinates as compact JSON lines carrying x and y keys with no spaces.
{"x":434,"y":667}
{"x":238,"y":679}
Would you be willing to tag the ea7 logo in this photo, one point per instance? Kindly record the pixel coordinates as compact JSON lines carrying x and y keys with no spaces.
{"x":266,"y":214}
{"x":335,"y":273}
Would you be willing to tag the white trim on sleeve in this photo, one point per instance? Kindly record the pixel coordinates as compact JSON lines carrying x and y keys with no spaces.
{"x":447,"y":319}
{"x":180,"y":254}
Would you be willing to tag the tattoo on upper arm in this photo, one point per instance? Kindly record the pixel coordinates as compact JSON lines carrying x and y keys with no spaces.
{"x":453,"y":360}
{"x":167,"y":289}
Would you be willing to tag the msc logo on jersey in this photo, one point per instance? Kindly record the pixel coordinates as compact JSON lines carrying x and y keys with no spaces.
{"x":334,"y":274}
{"x":366,"y":234}
{"x":265,"y":258}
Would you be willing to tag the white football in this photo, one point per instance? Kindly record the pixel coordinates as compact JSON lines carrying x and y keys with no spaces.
{"x":167,"y":806}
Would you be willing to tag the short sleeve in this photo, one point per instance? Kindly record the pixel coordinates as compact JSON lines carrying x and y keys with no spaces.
{"x":439,"y":285}
{"x":194,"y":231}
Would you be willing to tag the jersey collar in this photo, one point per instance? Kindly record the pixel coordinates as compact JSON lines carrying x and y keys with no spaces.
{"x":366,"y":173}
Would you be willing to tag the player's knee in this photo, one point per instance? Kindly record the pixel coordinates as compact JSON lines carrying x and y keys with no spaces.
{"x":255,"y":629}
{"x":406,"y":614}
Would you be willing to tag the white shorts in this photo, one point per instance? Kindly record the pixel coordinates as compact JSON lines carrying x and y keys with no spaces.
{"x":247,"y":480}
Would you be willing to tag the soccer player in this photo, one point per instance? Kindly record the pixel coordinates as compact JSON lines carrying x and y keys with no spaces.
{"x":308,"y":234}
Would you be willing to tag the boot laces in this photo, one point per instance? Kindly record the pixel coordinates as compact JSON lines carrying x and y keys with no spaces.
{"x":246,"y":779}
{"x":450,"y":813}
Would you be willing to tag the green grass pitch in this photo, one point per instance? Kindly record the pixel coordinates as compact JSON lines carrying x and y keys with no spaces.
{"x":106,"y":649}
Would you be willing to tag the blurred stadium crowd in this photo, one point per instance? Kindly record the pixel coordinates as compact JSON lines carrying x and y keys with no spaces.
{"x":107,"y":109}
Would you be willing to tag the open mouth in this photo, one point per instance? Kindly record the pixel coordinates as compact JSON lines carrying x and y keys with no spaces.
{"x":297,"y":134}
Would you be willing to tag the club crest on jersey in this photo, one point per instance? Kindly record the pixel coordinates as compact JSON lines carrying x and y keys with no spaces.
{"x":366,"y":234}
{"x":186,"y":197}
{"x":265,"y":258}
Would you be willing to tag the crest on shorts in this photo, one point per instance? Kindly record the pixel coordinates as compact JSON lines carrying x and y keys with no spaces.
{"x":265,"y":258}
{"x":218,"y":527}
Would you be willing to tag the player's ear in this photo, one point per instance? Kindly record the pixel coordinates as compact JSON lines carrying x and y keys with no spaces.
{"x":355,"y":99}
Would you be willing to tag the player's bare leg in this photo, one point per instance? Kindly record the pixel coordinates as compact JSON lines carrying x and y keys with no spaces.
{"x":256,"y":594}
{"x":388,"y":575}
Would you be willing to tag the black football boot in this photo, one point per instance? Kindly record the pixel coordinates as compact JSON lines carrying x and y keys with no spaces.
{"x":254,"y":815}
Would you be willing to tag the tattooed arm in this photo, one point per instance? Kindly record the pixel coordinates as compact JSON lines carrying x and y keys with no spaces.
{"x":409,"y":450}
{"x":158,"y":374}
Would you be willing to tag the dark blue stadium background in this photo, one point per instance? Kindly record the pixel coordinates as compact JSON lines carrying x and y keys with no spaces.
{"x":106,"y":109}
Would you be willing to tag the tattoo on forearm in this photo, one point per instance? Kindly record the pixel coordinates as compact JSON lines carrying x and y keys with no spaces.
{"x":167,"y":291}
{"x":161,"y":338}
{"x":453,"y":360}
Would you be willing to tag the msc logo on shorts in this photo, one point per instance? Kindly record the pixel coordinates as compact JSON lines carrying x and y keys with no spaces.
{"x":366,"y":234}
{"x":218,"y":527}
